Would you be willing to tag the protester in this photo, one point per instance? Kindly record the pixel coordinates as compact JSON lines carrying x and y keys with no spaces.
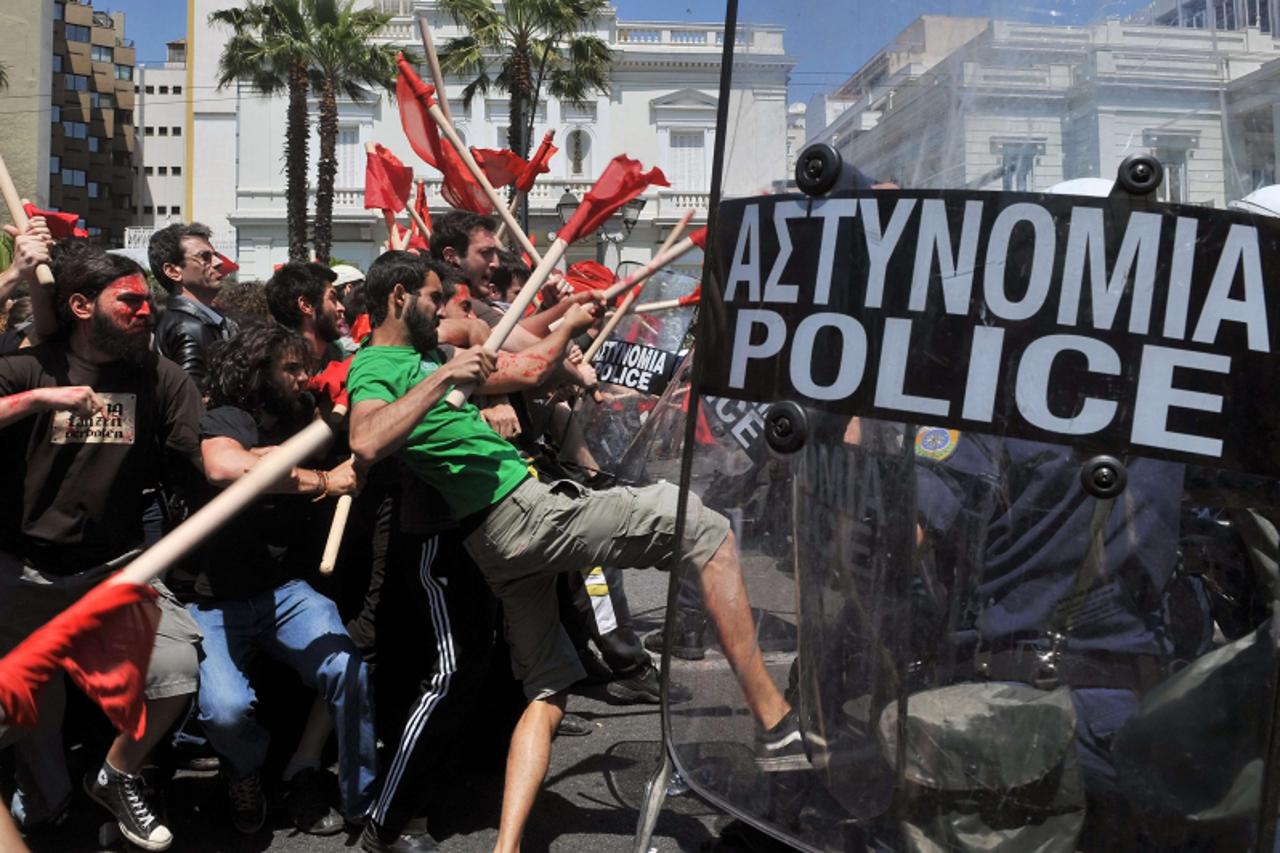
{"x":302,"y":297}
{"x":251,"y":596}
{"x":522,"y":532}
{"x":185,"y":263}
{"x":243,"y":302}
{"x":87,"y":422}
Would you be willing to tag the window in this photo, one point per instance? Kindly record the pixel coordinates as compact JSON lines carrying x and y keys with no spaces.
{"x":176,"y":210}
{"x":94,"y":188}
{"x":688,"y":160}
{"x":1173,"y":189}
{"x":162,"y":170}
{"x":124,"y":72}
{"x":175,"y":170}
{"x":73,"y":177}
{"x":177,"y":131}
{"x":177,"y":90}
{"x":125,"y":117}
{"x":102,"y":53}
{"x":59,"y":12}
{"x":162,"y":130}
{"x":149,"y":131}
{"x":95,"y":144}
{"x":1018,"y":168}
{"x":55,"y":164}
{"x":75,"y":129}
{"x":164,"y":90}
{"x":136,"y":90}
{"x":102,"y":100}
{"x":75,"y":32}
{"x":147,"y":210}
{"x":150,"y":90}
{"x":95,"y":232}
{"x":161,"y":210}
{"x":57,"y":62}
{"x":76,"y":82}
{"x":147,"y":170}
{"x":57,"y":114}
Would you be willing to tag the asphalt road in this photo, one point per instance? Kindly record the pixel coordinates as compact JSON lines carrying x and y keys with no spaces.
{"x":589,"y":804}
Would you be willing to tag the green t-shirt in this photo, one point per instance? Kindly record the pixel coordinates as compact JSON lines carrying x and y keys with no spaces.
{"x":452,"y":450}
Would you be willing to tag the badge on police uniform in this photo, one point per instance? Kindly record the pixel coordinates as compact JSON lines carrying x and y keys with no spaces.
{"x":936,"y":443}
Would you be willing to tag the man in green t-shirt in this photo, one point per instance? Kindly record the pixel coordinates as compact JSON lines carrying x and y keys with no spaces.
{"x":522,"y":532}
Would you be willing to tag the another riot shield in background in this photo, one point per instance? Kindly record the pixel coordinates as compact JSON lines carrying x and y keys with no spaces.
{"x":1026,"y":429}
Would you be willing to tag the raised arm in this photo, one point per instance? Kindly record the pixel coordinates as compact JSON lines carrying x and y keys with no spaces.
{"x":227,"y":460}
{"x":379,"y":428}
{"x":529,"y":368}
{"x":79,"y":399}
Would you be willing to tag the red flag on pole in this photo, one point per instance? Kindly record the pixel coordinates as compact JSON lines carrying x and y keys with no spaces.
{"x":500,"y":166}
{"x":387,"y":181}
{"x":226,"y":266}
{"x":420,"y":205}
{"x":104,"y":643}
{"x":538,"y":164}
{"x":699,"y":238}
{"x":589,"y":275}
{"x":61,"y":225}
{"x":621,"y":181}
{"x":415,"y":98}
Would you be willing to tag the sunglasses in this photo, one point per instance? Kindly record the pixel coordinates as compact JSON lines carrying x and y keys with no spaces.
{"x":206,"y":257}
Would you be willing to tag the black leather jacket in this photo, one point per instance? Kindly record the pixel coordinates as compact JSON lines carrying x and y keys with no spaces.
{"x":184,"y":335}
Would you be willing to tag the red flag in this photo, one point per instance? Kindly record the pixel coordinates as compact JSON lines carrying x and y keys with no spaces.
{"x":699,"y":238}
{"x":537,"y":165}
{"x":417,"y":242}
{"x":692,"y":298}
{"x":226,"y":266}
{"x":104,"y":643}
{"x":589,"y":275}
{"x":420,"y":205}
{"x":361,"y":328}
{"x":621,"y":181}
{"x":387,"y":181}
{"x":415,"y":98}
{"x":332,"y":381}
{"x":61,"y":225}
{"x":499,"y":165}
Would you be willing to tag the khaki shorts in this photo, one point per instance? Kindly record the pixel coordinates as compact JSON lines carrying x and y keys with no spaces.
{"x":543,"y":529}
{"x":29,"y":598}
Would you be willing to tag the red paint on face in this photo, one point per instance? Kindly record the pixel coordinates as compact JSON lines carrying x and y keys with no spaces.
{"x":128,"y":301}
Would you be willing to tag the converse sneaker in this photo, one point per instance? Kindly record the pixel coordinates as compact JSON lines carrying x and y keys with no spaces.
{"x":125,"y":797}
{"x":248,"y":805}
{"x":782,"y":747}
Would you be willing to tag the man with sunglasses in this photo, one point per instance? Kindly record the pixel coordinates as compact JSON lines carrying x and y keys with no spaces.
{"x":185,"y":263}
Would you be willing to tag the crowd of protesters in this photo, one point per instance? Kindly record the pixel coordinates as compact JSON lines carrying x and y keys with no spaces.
{"x":466,"y":544}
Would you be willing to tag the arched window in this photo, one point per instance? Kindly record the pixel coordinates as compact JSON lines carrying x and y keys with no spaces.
{"x":579,"y":151}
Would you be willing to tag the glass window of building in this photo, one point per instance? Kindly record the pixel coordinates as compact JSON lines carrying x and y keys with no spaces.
{"x":75,"y":32}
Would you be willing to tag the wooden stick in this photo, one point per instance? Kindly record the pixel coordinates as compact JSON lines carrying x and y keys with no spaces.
{"x":44,"y":275}
{"x":422,"y":226}
{"x":662,"y":305}
{"x":501,"y":236}
{"x":659,"y":261}
{"x":515,"y":313}
{"x":269,"y":470}
{"x":338,"y":526}
{"x":433,"y":63}
{"x":631,"y":297}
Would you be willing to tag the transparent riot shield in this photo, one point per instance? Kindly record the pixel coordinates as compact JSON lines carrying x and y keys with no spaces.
{"x":987,"y":332}
{"x":634,"y":367}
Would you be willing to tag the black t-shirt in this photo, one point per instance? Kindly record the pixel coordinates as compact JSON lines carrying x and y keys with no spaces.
{"x":275,"y":539}
{"x":73,"y":494}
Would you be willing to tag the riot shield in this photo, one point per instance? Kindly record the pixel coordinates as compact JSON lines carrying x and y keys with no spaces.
{"x":991,"y":306}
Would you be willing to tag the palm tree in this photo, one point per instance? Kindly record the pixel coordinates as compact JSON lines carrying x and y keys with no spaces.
{"x":343,"y":59}
{"x":268,"y":52}
{"x":534,"y":44}
{"x":4,"y":76}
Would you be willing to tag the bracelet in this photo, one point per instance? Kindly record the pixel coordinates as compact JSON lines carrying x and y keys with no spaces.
{"x":324,"y":487}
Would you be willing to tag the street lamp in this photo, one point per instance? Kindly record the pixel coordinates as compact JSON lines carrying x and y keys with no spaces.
{"x":629,"y":214}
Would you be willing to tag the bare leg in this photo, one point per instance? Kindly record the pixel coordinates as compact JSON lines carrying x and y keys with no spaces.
{"x":526,"y":768}
{"x":315,"y":734}
{"x":10,"y":840}
{"x":126,"y":754}
{"x":730,"y":611}
{"x":573,"y":444}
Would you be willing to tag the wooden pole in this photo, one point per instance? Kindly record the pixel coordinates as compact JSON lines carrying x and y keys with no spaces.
{"x":433,"y":63}
{"x":662,"y":305}
{"x":413,"y":214}
{"x":661,"y":260}
{"x":269,"y":470}
{"x":44,"y":275}
{"x":501,"y":236}
{"x":630,"y":298}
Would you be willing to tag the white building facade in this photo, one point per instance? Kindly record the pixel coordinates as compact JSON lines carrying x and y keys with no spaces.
{"x":660,"y":109}
{"x":159,"y":195}
{"x":990,"y":104}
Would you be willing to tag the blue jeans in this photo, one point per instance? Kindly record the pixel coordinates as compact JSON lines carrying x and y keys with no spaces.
{"x":299,"y":627}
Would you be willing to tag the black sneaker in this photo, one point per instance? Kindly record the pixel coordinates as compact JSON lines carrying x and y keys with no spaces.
{"x":782,"y":748}
{"x":597,"y":672}
{"x":248,"y":805}
{"x":308,"y":804}
{"x":411,"y":840}
{"x":125,"y":797}
{"x":687,"y":645}
{"x":642,"y":688}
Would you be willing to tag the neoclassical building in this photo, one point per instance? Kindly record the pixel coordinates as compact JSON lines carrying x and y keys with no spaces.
{"x":990,"y":104}
{"x":660,"y":109}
